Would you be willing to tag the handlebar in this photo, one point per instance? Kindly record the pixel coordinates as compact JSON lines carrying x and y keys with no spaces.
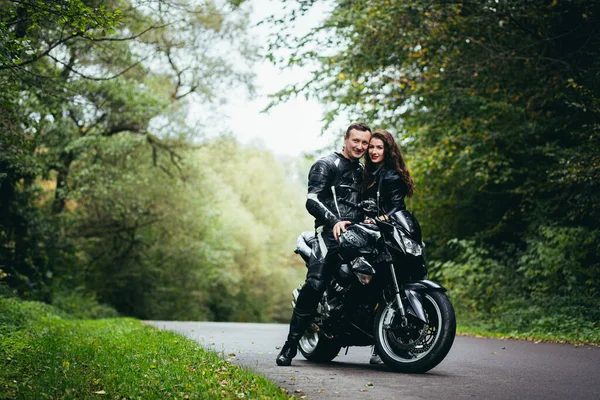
{"x":369,"y":207}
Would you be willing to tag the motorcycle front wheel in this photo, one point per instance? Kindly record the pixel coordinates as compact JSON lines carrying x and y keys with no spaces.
{"x":315,"y":347}
{"x":419,"y":346}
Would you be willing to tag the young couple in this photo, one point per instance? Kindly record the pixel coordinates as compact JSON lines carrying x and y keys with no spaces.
{"x":333,"y":182}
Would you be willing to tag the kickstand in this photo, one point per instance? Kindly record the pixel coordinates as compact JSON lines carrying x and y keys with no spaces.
{"x":347,"y":347}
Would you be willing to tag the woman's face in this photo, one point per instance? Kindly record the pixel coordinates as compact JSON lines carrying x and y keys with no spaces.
{"x":376,"y":151}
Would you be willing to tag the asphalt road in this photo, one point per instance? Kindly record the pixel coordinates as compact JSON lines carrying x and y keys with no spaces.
{"x":474,"y":369}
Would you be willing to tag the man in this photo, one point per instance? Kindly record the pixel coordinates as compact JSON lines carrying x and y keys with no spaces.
{"x":331,"y":179}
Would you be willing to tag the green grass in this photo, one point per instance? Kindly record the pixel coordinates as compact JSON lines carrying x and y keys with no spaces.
{"x":45,"y":356}
{"x":559,"y":320}
{"x":482,"y":331}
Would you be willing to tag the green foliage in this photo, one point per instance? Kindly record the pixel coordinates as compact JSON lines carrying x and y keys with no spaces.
{"x":23,"y":228}
{"x":496,"y":107}
{"x":45,"y":356}
{"x":477,"y":280}
{"x":263,"y":213}
{"x":83,"y":305}
{"x":22,"y":22}
{"x":540,"y":297}
{"x":19,"y":315}
{"x":101,"y":193}
{"x":199,"y":241}
{"x":562,"y":260}
{"x":572,"y":319}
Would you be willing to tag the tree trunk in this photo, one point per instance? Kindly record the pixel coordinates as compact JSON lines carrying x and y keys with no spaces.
{"x":58,"y":205}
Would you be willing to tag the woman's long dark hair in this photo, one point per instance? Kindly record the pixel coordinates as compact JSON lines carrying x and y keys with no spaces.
{"x":392,"y":159}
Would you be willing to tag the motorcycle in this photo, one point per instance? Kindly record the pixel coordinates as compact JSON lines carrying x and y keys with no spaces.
{"x":379,"y":295}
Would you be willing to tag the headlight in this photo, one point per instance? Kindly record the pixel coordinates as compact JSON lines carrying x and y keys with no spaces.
{"x":364,"y":278}
{"x":411,"y":246}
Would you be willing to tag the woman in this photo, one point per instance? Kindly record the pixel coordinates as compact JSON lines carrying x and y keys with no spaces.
{"x":386,"y":178}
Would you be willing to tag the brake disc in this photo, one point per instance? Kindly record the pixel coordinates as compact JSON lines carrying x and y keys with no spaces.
{"x":403,"y":339}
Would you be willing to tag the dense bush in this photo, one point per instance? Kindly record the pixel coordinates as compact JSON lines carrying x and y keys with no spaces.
{"x":491,"y":294}
{"x":82,"y":304}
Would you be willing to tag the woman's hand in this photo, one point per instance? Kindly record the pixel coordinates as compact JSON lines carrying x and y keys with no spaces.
{"x":380,"y":218}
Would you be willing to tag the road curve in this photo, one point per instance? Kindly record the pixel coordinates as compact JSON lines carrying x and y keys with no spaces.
{"x":474,"y":369}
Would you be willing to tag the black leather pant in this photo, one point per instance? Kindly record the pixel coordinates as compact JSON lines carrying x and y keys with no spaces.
{"x":323,"y":258}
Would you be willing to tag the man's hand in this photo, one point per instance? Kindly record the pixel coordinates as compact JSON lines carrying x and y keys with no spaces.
{"x":339,"y":228}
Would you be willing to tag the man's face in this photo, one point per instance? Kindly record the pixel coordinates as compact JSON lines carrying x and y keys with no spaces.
{"x":356,"y":144}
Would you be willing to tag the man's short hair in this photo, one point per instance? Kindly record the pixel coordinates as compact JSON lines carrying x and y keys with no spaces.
{"x":359,"y":126}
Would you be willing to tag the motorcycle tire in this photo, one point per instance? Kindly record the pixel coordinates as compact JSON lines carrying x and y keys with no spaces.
{"x":315,"y":347}
{"x":418,"y":347}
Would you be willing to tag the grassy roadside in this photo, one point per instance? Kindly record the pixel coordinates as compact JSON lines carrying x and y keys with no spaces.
{"x":488,"y":332}
{"x":46,"y":356}
{"x":554,"y":325}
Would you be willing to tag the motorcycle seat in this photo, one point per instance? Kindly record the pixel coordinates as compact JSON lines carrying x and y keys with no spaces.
{"x":309,"y":237}
{"x":304,"y":244}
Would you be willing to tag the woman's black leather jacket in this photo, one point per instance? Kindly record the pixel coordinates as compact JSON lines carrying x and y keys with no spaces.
{"x":332,"y":180}
{"x":388,"y":190}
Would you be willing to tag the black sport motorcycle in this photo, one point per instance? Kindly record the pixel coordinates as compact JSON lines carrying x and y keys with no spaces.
{"x":379,"y":295}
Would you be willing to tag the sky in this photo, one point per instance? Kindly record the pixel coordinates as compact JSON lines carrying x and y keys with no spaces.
{"x":290,"y":129}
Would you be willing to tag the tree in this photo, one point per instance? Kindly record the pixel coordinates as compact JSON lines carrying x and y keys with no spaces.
{"x":197,"y":248}
{"x":76,"y":71}
{"x":495,"y":104}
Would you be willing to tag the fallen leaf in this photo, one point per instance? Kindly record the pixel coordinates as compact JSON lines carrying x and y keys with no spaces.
{"x":292,"y":379}
{"x":363,"y":390}
{"x":277,"y":347}
{"x":298,"y":391}
{"x":100,"y":392}
{"x":369,"y":384}
{"x":231,"y":354}
{"x":321,"y":390}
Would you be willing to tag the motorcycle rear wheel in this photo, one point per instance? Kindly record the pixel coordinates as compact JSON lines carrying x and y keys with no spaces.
{"x":419,"y":347}
{"x":315,"y":347}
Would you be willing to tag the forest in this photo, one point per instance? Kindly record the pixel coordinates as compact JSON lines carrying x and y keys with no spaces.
{"x":114,"y":201}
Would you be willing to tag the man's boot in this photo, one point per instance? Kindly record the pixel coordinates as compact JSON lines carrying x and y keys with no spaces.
{"x":306,"y":304}
{"x":298,"y":324}
{"x":288,"y":351}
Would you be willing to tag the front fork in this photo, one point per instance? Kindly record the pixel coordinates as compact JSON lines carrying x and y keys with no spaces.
{"x":401,"y":310}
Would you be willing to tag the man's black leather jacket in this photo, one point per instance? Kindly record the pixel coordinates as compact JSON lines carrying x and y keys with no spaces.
{"x":331,"y":180}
